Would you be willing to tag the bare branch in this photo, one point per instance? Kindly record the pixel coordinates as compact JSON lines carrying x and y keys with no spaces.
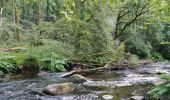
{"x":134,"y":19}
{"x":120,"y":16}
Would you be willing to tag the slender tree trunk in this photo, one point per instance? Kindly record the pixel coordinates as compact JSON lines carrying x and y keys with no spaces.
{"x":23,"y":9}
{"x":1,"y":11}
{"x":16,"y":19}
{"x":57,"y":12}
{"x":39,"y":12}
{"x":1,"y":3}
{"x":48,"y":13}
{"x":1,"y":17}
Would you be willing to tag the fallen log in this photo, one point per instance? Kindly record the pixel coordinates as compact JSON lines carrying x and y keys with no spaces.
{"x":87,"y":71}
{"x":109,"y":66}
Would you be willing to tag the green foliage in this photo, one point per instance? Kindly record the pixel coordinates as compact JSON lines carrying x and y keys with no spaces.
{"x":30,"y":64}
{"x":166,"y":51}
{"x":7,"y":31}
{"x":119,"y":53}
{"x":7,"y":64}
{"x":136,"y":44}
{"x":85,"y":30}
{"x":133,"y":60}
{"x":155,"y":56}
{"x":113,"y":54}
{"x":9,"y":59}
{"x":86,"y":25}
{"x":64,"y":50}
{"x":53,"y":62}
{"x":7,"y":67}
{"x":161,"y":90}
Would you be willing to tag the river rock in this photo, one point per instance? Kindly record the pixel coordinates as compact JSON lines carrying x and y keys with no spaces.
{"x":78,"y":77}
{"x":107,"y":97}
{"x":55,"y":89}
{"x":137,"y":98}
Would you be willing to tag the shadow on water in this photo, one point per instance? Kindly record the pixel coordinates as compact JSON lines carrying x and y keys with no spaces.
{"x":17,"y":77}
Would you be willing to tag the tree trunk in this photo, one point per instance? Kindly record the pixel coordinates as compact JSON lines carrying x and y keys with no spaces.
{"x":1,"y":17}
{"x":16,"y":19}
{"x":23,"y":9}
{"x":1,"y":12}
{"x":39,"y":12}
{"x":48,"y":13}
{"x":87,"y":71}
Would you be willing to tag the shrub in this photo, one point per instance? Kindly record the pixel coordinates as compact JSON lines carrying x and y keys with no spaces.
{"x":166,"y":51}
{"x":30,"y":64}
{"x":156,"y":56}
{"x":135,"y":44}
{"x":53,"y":65}
{"x":9,"y":59}
{"x":53,"y":62}
{"x":133,"y":60}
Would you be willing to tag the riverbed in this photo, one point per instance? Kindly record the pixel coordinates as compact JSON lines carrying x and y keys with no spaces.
{"x":121,"y":84}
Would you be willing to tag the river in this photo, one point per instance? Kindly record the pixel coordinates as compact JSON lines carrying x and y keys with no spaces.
{"x":121,"y":84}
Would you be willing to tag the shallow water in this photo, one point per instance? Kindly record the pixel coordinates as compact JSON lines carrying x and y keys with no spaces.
{"x":122,"y":85}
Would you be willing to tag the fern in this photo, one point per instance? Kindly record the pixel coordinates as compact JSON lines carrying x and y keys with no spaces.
{"x":7,"y":67}
{"x":161,"y":90}
{"x":53,"y":63}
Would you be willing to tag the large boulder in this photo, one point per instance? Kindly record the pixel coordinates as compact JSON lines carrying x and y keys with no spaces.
{"x":55,"y":89}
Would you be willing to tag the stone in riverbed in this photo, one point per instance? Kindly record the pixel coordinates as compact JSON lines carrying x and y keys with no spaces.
{"x":137,"y":98}
{"x":107,"y":97}
{"x":55,"y":89}
{"x":78,"y":77}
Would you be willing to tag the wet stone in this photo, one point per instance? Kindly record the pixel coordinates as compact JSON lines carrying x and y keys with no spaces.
{"x":137,"y":98}
{"x":107,"y":97}
{"x":55,"y":89}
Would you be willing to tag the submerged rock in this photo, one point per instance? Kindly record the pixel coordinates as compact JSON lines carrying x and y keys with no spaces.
{"x":107,"y":97}
{"x":55,"y":89}
{"x":98,"y":84}
{"x":137,"y":98}
{"x":71,"y":97}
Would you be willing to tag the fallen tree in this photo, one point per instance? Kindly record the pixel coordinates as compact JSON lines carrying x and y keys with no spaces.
{"x":117,"y":65}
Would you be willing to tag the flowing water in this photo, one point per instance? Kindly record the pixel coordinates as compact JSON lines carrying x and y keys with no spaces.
{"x":121,"y":84}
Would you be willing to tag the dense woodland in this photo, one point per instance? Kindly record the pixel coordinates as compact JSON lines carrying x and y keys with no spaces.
{"x":58,"y":34}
